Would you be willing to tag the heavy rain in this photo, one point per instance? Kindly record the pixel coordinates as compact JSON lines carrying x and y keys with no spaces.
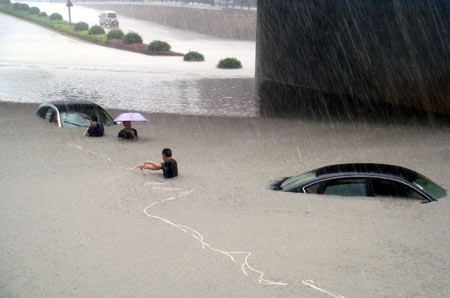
{"x":320,"y":84}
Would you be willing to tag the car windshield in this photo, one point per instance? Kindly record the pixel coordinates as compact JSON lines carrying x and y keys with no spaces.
{"x":80,"y":115}
{"x":429,"y":186}
{"x":111,"y":15}
{"x":288,"y":183}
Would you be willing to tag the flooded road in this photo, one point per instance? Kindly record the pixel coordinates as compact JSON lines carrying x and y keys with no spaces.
{"x":152,"y":92}
{"x":76,"y":222}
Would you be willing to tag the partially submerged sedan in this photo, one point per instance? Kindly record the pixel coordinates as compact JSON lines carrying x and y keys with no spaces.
{"x":73,"y":113}
{"x":363,"y":179}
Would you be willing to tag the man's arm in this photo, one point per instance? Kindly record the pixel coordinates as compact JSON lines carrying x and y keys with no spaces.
{"x":134,"y":134}
{"x":151,"y":165}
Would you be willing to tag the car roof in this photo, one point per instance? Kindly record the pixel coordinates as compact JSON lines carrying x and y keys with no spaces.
{"x":70,"y":105}
{"x":108,"y":11}
{"x":368,"y":168}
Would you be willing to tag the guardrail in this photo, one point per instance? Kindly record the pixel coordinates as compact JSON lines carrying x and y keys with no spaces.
{"x":212,"y":4}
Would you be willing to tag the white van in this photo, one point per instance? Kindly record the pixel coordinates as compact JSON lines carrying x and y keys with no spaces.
{"x":108,"y":18}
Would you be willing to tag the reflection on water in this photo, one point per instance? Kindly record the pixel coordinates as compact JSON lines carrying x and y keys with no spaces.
{"x":141,"y":91}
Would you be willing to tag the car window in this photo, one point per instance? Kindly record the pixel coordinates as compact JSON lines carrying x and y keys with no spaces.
{"x":41,"y":112}
{"x":429,"y":186}
{"x":75,"y":119}
{"x":389,"y":188}
{"x":314,"y":188}
{"x":80,"y":117}
{"x":346,"y":187}
{"x":297,"y":179}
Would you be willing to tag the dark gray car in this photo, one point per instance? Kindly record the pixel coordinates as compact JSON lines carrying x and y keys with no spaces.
{"x":363,"y":179}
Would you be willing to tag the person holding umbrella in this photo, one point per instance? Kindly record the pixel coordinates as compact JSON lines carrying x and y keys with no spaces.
{"x":128,"y":132}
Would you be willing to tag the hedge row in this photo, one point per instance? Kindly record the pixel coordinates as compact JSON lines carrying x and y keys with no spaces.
{"x":58,"y":25}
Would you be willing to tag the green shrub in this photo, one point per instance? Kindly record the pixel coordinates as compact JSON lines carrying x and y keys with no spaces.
{"x":131,"y":37}
{"x":55,"y":17}
{"x":21,"y":6}
{"x":115,"y":34}
{"x":158,"y":46}
{"x":43,"y":14}
{"x":96,"y":29}
{"x":229,"y":63}
{"x":34,"y":10}
{"x":193,"y":56}
{"x":81,"y":26}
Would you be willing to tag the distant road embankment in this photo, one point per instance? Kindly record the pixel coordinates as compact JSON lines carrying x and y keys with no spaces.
{"x":224,"y":23}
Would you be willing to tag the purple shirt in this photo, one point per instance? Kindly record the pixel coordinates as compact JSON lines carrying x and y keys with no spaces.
{"x":96,"y":130}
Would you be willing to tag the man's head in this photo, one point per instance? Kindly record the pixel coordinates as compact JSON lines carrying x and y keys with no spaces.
{"x":127,"y":124}
{"x":166,"y":154}
{"x":93,"y":119}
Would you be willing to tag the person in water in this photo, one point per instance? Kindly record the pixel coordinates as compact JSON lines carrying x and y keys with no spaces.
{"x":169,"y":165}
{"x":128,"y":132}
{"x":96,"y":129}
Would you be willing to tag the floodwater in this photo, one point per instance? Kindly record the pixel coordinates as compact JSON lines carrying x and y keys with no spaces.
{"x":77,"y":220}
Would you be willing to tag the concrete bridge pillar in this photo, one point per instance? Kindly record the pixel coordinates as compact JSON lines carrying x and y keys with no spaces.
{"x":312,"y":53}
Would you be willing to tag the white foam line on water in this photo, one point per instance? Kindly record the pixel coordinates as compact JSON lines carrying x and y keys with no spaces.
{"x":310,"y":283}
{"x":196,"y":235}
{"x":245,"y":266}
{"x":103,"y":155}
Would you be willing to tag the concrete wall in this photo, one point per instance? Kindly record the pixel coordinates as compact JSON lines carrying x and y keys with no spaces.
{"x":225,"y":23}
{"x":390,"y":51}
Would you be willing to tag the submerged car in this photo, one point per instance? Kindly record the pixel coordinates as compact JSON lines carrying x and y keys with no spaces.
{"x":108,"y":18}
{"x":73,"y":113}
{"x":363,"y":179}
